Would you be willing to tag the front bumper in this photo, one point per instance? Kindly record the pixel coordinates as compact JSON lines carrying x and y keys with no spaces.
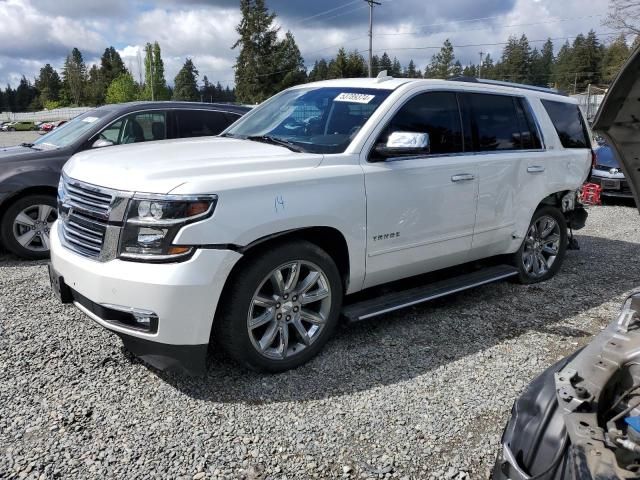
{"x":184,"y":296}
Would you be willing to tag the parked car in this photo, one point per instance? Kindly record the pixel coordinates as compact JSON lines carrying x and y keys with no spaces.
{"x":29,"y":173}
{"x":608,"y":174}
{"x":7,"y":126}
{"x":254,"y":238}
{"x":47,"y":127}
{"x":22,"y":126}
{"x":580,"y":419}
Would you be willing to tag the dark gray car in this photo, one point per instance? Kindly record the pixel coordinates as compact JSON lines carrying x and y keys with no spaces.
{"x":29,"y":173}
{"x":580,"y":419}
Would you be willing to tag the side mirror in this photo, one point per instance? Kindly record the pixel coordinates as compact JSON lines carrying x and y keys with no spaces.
{"x":404,"y":144}
{"x":101,"y":142}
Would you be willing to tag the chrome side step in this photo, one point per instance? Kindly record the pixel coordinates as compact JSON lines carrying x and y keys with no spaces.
{"x":396,"y":300}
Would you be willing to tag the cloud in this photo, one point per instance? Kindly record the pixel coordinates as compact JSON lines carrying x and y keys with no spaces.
{"x":34,"y":32}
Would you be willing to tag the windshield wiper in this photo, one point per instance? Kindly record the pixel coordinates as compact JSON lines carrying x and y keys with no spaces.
{"x":276,"y":141}
{"x":25,"y":144}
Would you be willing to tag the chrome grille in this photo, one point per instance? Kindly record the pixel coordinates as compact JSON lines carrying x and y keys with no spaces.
{"x":84,"y":216}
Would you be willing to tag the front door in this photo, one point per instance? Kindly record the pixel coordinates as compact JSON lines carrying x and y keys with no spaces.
{"x":421,"y":209}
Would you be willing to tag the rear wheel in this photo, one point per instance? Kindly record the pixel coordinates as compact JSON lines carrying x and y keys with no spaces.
{"x":543,"y":250}
{"x":281,"y":308}
{"x":26,"y":226}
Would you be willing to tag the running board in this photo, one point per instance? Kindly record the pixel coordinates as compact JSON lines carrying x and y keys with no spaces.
{"x":413,"y":296}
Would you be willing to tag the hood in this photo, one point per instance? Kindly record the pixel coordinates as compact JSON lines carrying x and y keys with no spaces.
{"x":606,"y":157}
{"x":618,"y":120}
{"x":9,"y":154}
{"x":159,"y":167}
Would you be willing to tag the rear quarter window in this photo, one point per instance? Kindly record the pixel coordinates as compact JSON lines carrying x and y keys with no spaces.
{"x":569,"y":123}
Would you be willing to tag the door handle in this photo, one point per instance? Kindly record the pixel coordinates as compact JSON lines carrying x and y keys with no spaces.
{"x":462,"y":177}
{"x":535,"y":169}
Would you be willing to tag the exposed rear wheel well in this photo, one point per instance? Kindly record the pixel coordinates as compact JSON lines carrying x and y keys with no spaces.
{"x":553,"y":200}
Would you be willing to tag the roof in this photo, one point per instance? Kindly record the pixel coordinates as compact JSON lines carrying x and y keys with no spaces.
{"x":130,"y":106}
{"x":391,"y":83}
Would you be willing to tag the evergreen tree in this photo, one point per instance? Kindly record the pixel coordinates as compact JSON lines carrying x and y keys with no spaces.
{"x":411,"y":71}
{"x":111,"y":66}
{"x":375,"y":65}
{"x":470,"y":71}
{"x":155,"y":85}
{"x":542,"y":65}
{"x":74,"y":77}
{"x":289,"y":64}
{"x":96,"y":87}
{"x":563,"y":75}
{"x":48,"y":84}
{"x":10,"y":99}
{"x":186,"y":83}
{"x":614,"y":58}
{"x":122,"y":89}
{"x":443,"y":63}
{"x":25,"y":94}
{"x":586,"y":61}
{"x":320,"y":71}
{"x":3,"y":107}
{"x":255,"y":75}
{"x":338,"y":67}
{"x":356,"y":65}
{"x":385,"y":64}
{"x":396,"y":68}
{"x":488,"y":69}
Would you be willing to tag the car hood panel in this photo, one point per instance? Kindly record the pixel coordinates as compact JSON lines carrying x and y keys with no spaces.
{"x":618,"y":120}
{"x":160,"y":167}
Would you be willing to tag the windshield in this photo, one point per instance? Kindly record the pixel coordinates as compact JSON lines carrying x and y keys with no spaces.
{"x":71,"y":131}
{"x":316,"y":120}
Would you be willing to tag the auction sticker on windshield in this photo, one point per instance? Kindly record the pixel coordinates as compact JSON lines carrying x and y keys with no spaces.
{"x":354,"y":98}
{"x":90,"y":119}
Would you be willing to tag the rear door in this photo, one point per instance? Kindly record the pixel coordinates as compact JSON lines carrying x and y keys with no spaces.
{"x":511,"y":167}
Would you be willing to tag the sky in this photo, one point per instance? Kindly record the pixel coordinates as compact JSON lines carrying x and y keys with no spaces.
{"x":35,"y":32}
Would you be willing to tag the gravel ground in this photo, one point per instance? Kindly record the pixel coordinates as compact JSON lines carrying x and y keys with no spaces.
{"x":422,"y":393}
{"x":8,"y":139}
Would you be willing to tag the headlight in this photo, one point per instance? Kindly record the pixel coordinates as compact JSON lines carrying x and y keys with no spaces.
{"x":153,"y":221}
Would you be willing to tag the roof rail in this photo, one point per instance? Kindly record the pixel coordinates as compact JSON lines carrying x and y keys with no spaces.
{"x":507,"y":84}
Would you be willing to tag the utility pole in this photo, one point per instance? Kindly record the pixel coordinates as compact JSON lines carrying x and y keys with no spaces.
{"x":575,"y":84}
{"x":371,"y":4}
{"x":480,"y":67}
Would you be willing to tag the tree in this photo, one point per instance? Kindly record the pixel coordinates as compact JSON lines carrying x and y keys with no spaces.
{"x":255,"y":75}
{"x":48,"y":84}
{"x":411,"y":71}
{"x":96,"y":88}
{"x":289,"y":63}
{"x":320,"y":71}
{"x":470,"y":71}
{"x":396,"y":68}
{"x":10,"y":98}
{"x":562,"y":69}
{"x":111,"y":65}
{"x":515,"y":64}
{"x":488,"y":69}
{"x":338,"y":66}
{"x":542,"y":65}
{"x":586,"y":61}
{"x":375,"y":65}
{"x":186,"y":83}
{"x":385,"y":64}
{"x":443,"y":63}
{"x":122,"y":89}
{"x":74,"y":77}
{"x":155,"y":85}
{"x":615,"y":56}
{"x":25,"y":94}
{"x":624,"y":15}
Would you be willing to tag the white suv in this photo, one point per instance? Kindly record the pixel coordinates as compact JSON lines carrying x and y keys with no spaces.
{"x":256,"y":240}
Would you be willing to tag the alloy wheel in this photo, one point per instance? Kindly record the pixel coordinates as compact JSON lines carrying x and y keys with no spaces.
{"x":289,"y":310}
{"x":541,"y":246}
{"x":32,"y":227}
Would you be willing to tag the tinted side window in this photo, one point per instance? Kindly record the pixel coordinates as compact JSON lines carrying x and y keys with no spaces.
{"x":569,"y":123}
{"x":530,"y":137}
{"x":200,"y":123}
{"x":435,"y":113}
{"x":495,"y":122}
{"x":137,"y":127}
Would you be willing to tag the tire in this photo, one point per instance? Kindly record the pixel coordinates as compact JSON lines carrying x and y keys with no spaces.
{"x":26,"y":224}
{"x":546,"y":239}
{"x":253,"y":330}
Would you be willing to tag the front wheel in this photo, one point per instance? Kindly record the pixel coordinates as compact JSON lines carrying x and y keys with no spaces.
{"x":281,"y":307}
{"x":26,"y":226}
{"x":544,"y":247}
